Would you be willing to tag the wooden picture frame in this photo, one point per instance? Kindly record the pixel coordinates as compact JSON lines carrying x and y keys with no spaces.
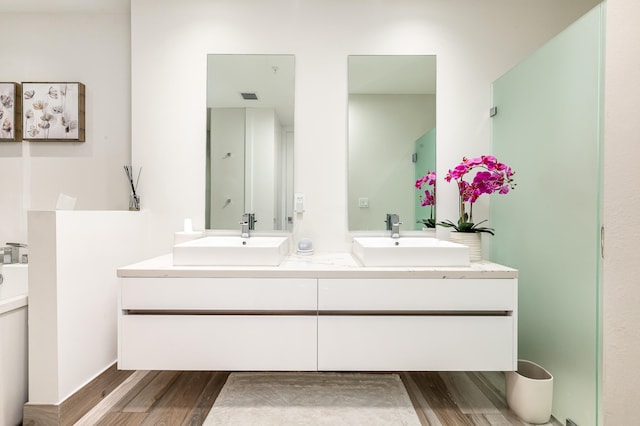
{"x":53,"y":112}
{"x":10,"y":112}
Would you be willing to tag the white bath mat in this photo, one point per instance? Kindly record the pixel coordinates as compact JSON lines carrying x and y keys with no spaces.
{"x":285,"y":398}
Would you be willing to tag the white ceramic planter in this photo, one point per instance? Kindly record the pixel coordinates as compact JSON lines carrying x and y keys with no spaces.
{"x":429,"y":232}
{"x":530,"y":392}
{"x":471,"y":240}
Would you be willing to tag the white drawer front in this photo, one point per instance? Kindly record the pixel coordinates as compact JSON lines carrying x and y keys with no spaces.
{"x":219,"y":293}
{"x":203,"y":342}
{"x":417,"y":294}
{"x":424,"y":343}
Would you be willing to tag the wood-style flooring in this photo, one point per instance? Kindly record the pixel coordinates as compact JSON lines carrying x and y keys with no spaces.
{"x":185,"y":398}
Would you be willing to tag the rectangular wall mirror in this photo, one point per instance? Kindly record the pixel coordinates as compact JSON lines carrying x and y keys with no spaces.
{"x":392,"y":137}
{"x":250,"y":138}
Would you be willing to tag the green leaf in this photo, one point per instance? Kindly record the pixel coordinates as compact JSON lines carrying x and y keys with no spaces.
{"x":428,"y":223}
{"x":463,"y":226}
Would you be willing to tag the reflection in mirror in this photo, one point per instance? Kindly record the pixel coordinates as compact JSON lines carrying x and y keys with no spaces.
{"x":392,"y":138}
{"x":250,"y":131}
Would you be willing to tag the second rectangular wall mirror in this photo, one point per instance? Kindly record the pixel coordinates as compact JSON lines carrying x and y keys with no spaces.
{"x":392,"y":140}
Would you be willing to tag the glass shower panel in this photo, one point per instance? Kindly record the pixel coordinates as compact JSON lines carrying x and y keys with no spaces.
{"x":548,"y":129}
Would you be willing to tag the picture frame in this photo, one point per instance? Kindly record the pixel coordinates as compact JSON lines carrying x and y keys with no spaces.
{"x":53,"y":111}
{"x":10,"y":112}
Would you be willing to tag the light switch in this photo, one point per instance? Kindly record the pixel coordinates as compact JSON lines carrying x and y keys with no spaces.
{"x":298,"y":202}
{"x":363,"y":203}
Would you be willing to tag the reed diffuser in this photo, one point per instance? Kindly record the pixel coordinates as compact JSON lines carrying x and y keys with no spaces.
{"x":134,"y":198}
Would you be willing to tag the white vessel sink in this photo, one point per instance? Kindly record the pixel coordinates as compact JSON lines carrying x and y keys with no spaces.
{"x":231,"y":251}
{"x":409,"y":251}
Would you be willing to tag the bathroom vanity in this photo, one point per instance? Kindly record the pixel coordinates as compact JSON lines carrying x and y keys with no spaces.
{"x":320,"y":312}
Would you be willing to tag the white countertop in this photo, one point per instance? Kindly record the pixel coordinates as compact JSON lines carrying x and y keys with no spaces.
{"x":319,"y":265}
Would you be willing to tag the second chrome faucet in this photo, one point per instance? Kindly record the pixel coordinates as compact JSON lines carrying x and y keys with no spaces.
{"x":393,"y":224}
{"x":11,"y":253}
{"x":247,"y":224}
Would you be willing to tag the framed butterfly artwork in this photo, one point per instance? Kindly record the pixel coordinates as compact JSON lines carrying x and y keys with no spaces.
{"x":10,"y":112}
{"x":53,"y":112}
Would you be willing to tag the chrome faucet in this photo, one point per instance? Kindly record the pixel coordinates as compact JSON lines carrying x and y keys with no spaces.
{"x":11,"y":253}
{"x":393,"y":224}
{"x":248,"y":224}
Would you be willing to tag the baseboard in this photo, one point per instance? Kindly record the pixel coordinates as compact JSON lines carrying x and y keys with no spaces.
{"x":77,"y":405}
{"x":40,"y":414}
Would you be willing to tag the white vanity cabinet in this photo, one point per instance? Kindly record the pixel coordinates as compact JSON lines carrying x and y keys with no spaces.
{"x":217,"y":324}
{"x":313,"y":314}
{"x":417,"y":324}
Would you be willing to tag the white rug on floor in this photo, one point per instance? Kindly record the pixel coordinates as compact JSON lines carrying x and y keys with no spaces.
{"x":285,"y":398}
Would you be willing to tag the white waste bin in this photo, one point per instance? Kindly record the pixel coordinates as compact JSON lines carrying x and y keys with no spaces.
{"x":530,"y":392}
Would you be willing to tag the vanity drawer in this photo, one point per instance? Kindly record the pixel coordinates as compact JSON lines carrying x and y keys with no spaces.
{"x":417,"y":294}
{"x":420,"y":343}
{"x":217,"y":342}
{"x":238,"y":294}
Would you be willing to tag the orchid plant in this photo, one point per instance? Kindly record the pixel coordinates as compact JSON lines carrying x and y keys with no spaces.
{"x":492,"y":176}
{"x":429,"y":197}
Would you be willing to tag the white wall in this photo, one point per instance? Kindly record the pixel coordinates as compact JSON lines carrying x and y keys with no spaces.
{"x":73,"y":291}
{"x":92,"y":48}
{"x":475,"y":43}
{"x":621,"y":291}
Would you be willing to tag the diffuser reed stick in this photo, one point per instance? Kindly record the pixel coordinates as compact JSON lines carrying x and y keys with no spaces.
{"x":134,"y":203}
